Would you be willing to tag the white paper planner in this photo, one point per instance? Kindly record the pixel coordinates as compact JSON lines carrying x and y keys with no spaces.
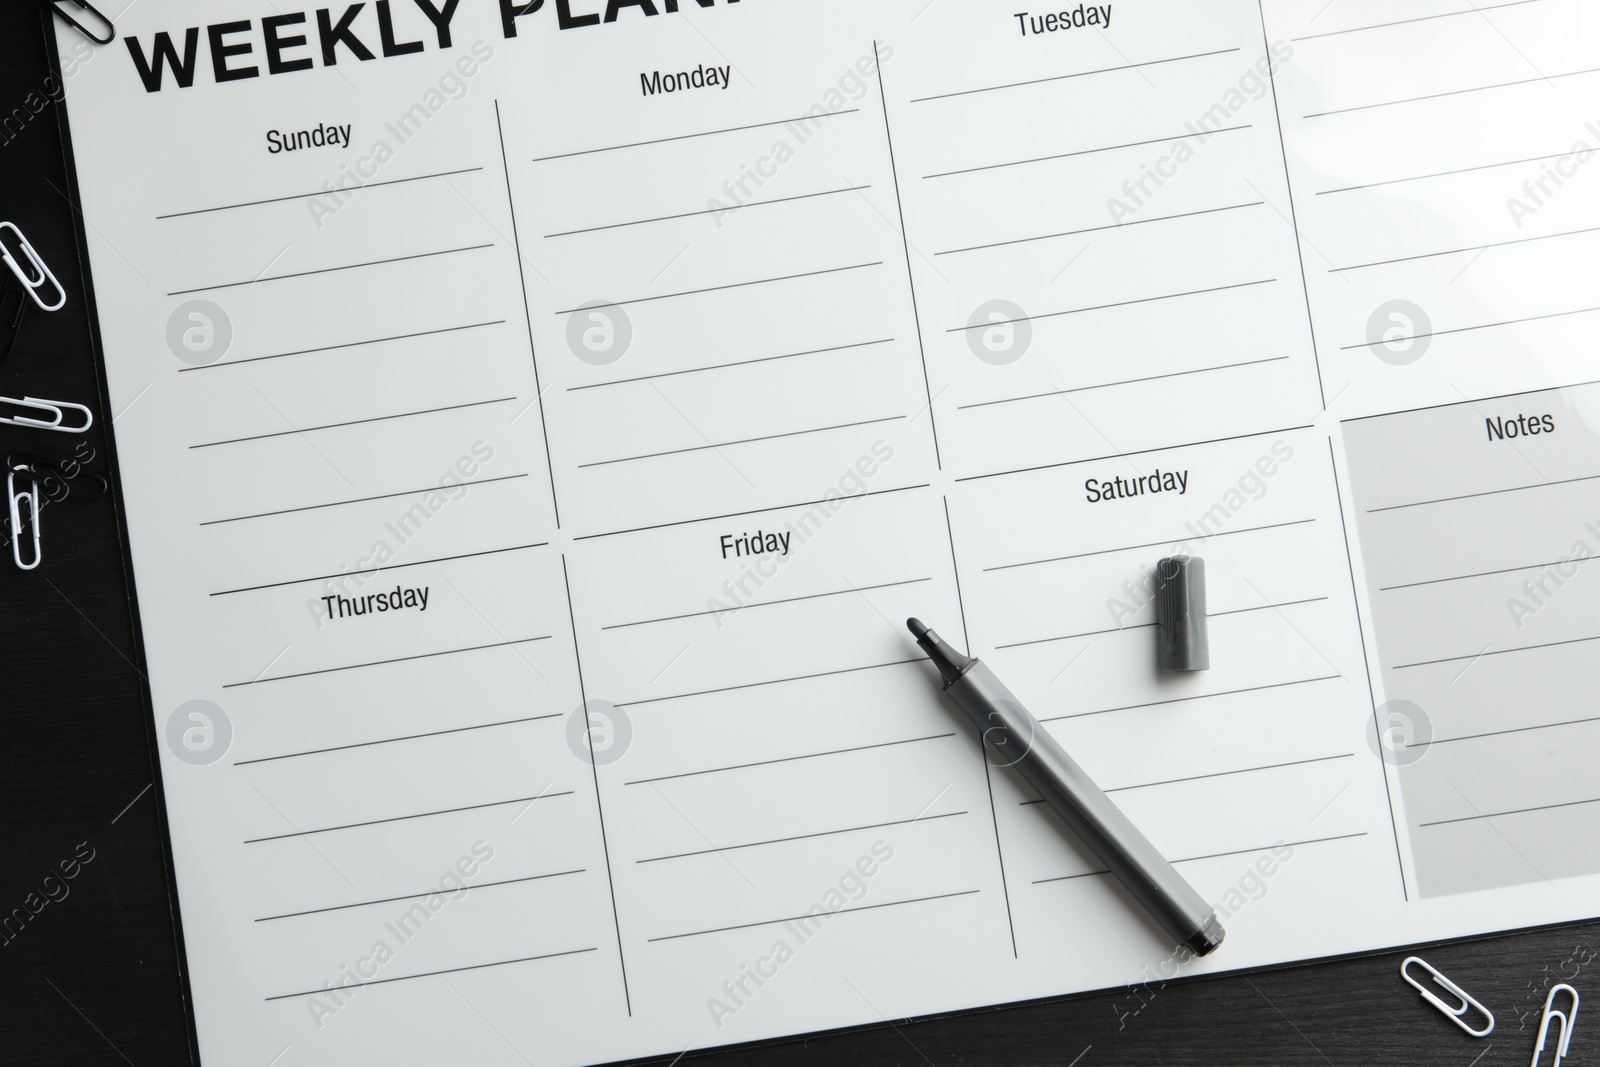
{"x":535,"y":425}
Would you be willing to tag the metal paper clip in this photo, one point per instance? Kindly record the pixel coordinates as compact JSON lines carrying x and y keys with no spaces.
{"x":53,"y":406}
{"x":1569,"y":1019}
{"x":31,"y":498}
{"x":1456,"y":1012}
{"x":59,"y":479}
{"x":41,"y":273}
{"x":59,"y":6}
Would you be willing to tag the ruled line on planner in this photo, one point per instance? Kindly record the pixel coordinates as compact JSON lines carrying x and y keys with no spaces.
{"x":1497,"y":652}
{"x":354,"y":422}
{"x":1502,"y":733}
{"x":1143,"y":625}
{"x":1150,"y":544}
{"x":719,"y":288}
{"x":1461,"y":251}
{"x":765,"y":603}
{"x":418,"y":896}
{"x":1214,"y":855}
{"x":710,"y":211}
{"x":393,"y":740}
{"x":773,"y":681}
{"x":330,"y":270}
{"x":1099,"y":229}
{"x":1455,"y":92}
{"x":1082,"y":152}
{"x":1486,"y":492}
{"x":386,"y":662}
{"x":802,"y":837}
{"x":752,"y":511}
{"x":1075,"y":74}
{"x":1213,"y":774}
{"x":1513,"y":811}
{"x":1125,"y":381}
{"x":1473,"y":403}
{"x":362,"y":499}
{"x":1485,"y":574}
{"x":406,"y":818}
{"x":319,"y":192}
{"x":1470,"y":329}
{"x":1447,"y":173}
{"x":741,"y":441}
{"x":808,"y":916}
{"x":1121,"y":455}
{"x":990,"y":324}
{"x":322,"y":990}
{"x":725,"y":366}
{"x":1421,"y":18}
{"x":343,"y":344}
{"x":379,"y":570}
{"x":1196,"y":696}
{"x":704,"y":133}
{"x":792,"y":759}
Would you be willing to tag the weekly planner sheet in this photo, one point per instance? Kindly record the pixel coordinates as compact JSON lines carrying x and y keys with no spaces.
{"x":536,"y":421}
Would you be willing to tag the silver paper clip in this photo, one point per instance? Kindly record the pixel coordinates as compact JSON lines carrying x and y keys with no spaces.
{"x":1456,"y":1012}
{"x":53,"y":406}
{"x":30,"y":497}
{"x":59,"y":6}
{"x":40,"y":273}
{"x":1568,"y":1018}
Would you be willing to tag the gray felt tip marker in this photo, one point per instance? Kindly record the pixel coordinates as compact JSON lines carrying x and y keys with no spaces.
{"x":1022,"y":742}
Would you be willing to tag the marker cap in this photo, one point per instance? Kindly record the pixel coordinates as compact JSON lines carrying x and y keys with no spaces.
{"x":1181,"y":643}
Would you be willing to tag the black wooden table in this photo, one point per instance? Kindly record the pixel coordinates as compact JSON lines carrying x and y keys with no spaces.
{"x":93,"y":977}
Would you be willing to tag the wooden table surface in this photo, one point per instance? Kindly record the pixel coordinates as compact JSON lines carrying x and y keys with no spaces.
{"x":94,"y":977}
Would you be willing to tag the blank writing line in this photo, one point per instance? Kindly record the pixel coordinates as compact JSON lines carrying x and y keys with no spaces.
{"x":1498,"y":652}
{"x":431,"y":974}
{"x":345,"y":344}
{"x":363,"y":499}
{"x":724,"y":366}
{"x":813,"y":918}
{"x":329,"y":270}
{"x":1125,"y":455}
{"x":791,"y":759}
{"x":1142,"y":625}
{"x":1215,"y":774}
{"x":766,"y":603}
{"x":1151,"y":544}
{"x":1101,"y":307}
{"x":404,"y":818}
{"x":1455,"y":92}
{"x":753,"y":511}
{"x":1197,"y":696}
{"x":712,"y":210}
{"x":1469,"y":329}
{"x":1486,"y":492}
{"x":1098,"y":229}
{"x":1514,"y":811}
{"x":1084,"y":152}
{"x":1075,"y":74}
{"x":425,"y":893}
{"x":1213,"y":855}
{"x":1460,"y":251}
{"x":803,"y":837}
{"x":707,"y":133}
{"x":319,"y":192}
{"x":1484,"y":574}
{"x":741,"y":441}
{"x":1446,"y":173}
{"x":386,"y":662}
{"x":1502,"y":733}
{"x":1422,"y":18}
{"x":775,"y":681}
{"x":354,"y":422}
{"x":1125,"y":381}
{"x":392,"y":740}
{"x":379,"y":570}
{"x":719,"y":288}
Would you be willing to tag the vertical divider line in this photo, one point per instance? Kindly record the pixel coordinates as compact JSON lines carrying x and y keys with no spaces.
{"x":988,"y":782}
{"x":1372,"y":697}
{"x":527,"y":316}
{"x":905,"y":246}
{"x":605,"y":847}
{"x":1294,"y":216}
